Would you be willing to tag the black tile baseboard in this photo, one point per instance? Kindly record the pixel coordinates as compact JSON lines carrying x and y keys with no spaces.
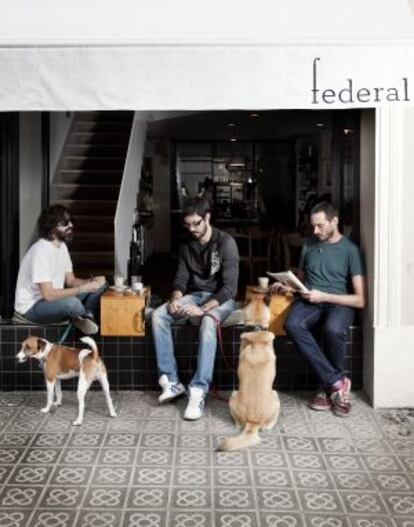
{"x":131,"y":360}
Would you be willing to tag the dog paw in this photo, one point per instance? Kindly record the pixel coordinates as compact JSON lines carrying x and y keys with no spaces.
{"x":57,"y":403}
{"x":78,"y":422}
{"x":113,"y":413}
{"x":45,"y":410}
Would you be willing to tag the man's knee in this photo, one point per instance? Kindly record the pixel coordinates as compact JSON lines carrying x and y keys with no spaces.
{"x":159,"y":315}
{"x":334,"y":332}
{"x":293,"y":326}
{"x":73,"y":307}
{"x":207,"y":325}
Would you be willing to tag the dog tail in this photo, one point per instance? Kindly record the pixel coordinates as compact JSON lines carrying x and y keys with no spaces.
{"x":92,"y":344}
{"x":248,"y":437}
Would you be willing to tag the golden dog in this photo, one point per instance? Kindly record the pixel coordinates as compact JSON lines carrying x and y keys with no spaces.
{"x":255,"y":405}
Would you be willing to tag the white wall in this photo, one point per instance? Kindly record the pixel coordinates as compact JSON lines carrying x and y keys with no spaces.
{"x":393,"y":364}
{"x":60,"y":123}
{"x":30,"y":170}
{"x":127,"y":201}
{"x":407,"y":260}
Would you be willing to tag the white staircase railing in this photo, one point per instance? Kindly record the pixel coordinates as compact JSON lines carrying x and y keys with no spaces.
{"x":127,"y":200}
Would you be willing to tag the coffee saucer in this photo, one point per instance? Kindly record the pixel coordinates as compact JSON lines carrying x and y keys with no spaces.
{"x":118,"y":289}
{"x":261,"y":289}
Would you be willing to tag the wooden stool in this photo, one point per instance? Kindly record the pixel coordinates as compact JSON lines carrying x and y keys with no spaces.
{"x":123,"y":314}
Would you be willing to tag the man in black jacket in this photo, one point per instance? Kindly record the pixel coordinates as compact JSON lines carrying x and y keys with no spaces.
{"x":205,"y":286}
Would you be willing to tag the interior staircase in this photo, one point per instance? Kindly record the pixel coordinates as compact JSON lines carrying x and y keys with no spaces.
{"x":87,"y":181}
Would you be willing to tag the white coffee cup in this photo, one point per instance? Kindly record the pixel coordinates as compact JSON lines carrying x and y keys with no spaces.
{"x":263,"y":282}
{"x":119,"y":281}
{"x":138,"y":287}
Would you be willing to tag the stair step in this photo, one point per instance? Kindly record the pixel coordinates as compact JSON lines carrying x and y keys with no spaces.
{"x":104,"y":126}
{"x":97,"y":207}
{"x":102,"y":138}
{"x":84,"y":191}
{"x":92,"y":259}
{"x":105,"y":116}
{"x":93,"y":223}
{"x":91,"y":177}
{"x":87,"y":272}
{"x":93,"y":162}
{"x":97,"y":150}
{"x":92,"y":241}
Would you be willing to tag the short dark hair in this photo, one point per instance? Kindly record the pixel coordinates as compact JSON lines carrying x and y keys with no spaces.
{"x":50,"y":218}
{"x":198,"y":205}
{"x":326,"y":207}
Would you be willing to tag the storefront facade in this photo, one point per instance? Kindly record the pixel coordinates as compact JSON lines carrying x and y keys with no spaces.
{"x":172,"y":58}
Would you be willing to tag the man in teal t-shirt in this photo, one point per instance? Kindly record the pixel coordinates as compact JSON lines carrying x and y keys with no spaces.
{"x":331,"y":269}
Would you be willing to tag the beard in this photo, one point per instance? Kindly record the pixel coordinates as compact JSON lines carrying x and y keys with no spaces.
{"x":200,"y":234}
{"x":63,"y":234}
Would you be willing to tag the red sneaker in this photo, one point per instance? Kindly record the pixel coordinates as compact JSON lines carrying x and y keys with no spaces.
{"x":321,"y":401}
{"x":341,"y":405}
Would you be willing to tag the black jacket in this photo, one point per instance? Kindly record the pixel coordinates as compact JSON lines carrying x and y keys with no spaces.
{"x":213,"y":267}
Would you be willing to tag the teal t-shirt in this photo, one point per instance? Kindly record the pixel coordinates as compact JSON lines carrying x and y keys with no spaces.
{"x":329,"y":267}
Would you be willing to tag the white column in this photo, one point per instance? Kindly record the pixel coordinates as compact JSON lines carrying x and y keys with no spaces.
{"x":393,"y":359}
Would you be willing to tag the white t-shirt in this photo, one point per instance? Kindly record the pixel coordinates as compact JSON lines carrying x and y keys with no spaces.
{"x":43,"y":262}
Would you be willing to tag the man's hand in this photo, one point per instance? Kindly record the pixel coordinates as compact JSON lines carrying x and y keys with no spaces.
{"x":174,"y":307}
{"x":314,"y":296}
{"x":281,"y":289}
{"x":193,"y":311}
{"x":91,"y":286}
{"x":100,"y":279}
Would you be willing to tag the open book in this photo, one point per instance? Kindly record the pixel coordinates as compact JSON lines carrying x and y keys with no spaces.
{"x":288,"y":278}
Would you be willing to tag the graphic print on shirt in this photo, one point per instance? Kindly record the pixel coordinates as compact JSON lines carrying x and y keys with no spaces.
{"x":214,"y":262}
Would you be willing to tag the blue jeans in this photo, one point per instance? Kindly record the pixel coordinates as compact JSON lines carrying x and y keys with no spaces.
{"x":164,"y":347}
{"x":303,"y":316}
{"x":44,"y":312}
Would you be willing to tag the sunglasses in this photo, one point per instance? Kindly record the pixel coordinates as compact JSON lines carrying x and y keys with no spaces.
{"x":64,"y":222}
{"x":193,"y":224}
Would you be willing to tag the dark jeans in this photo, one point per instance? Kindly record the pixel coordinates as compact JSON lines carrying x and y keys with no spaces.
{"x":303,"y":316}
{"x":44,"y":312}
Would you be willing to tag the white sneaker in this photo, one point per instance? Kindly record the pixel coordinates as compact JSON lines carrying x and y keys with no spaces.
{"x":170,"y":390}
{"x":195,"y":407}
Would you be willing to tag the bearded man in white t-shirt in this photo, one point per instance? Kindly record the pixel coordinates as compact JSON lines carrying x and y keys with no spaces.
{"x":47,"y":289}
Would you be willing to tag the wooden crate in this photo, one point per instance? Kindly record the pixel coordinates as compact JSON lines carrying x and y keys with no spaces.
{"x":123,"y":314}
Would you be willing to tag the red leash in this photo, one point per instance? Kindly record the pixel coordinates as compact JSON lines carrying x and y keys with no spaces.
{"x":217,"y":325}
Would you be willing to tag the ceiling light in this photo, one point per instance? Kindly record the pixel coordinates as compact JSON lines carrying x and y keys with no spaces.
{"x":320,"y":125}
{"x":233,"y":139}
{"x":348,"y":131}
{"x":231,"y":124}
{"x":254,"y":114}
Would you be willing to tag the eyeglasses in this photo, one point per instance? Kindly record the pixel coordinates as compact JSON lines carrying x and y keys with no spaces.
{"x":192,"y":224}
{"x":64,"y":222}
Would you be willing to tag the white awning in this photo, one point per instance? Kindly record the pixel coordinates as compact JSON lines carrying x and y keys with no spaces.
{"x":171,"y":56}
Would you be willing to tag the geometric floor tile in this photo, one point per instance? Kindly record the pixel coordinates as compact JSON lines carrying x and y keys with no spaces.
{"x":150,"y":468}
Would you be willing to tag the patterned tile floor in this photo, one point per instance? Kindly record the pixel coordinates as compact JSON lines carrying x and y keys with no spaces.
{"x":149,"y":468}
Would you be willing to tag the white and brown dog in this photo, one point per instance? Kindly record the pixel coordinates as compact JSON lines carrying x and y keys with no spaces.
{"x":255,"y":405}
{"x":62,"y":362}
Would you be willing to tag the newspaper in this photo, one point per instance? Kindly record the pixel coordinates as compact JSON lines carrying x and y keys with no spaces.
{"x":288,"y":278}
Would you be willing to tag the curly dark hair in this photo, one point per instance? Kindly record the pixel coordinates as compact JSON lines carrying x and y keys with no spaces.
{"x":50,"y":218}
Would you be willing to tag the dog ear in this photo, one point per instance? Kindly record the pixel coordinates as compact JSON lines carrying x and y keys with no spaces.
{"x":267,"y":299}
{"x":41,"y":344}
